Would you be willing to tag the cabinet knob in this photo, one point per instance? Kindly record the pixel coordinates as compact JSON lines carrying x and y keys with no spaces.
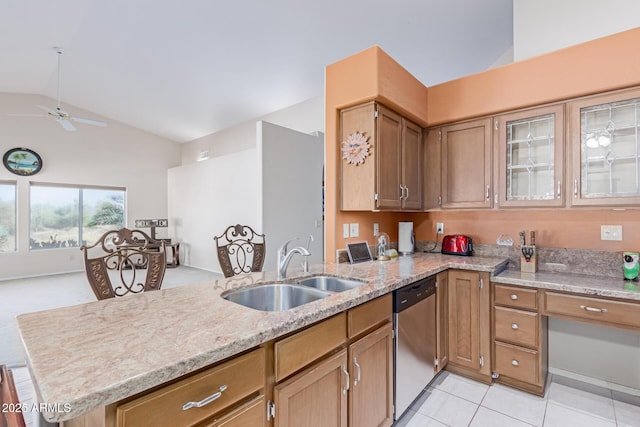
{"x":514,"y":326}
{"x":514,"y":297}
{"x":514,"y":362}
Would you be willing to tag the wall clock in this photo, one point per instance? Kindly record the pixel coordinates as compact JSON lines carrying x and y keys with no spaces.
{"x":22,"y":161}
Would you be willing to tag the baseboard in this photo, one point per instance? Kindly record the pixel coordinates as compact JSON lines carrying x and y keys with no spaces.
{"x":594,"y":381}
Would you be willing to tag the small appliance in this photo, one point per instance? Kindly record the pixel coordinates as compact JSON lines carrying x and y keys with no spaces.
{"x":457,"y":244}
{"x":631,"y":267}
{"x":406,"y":240}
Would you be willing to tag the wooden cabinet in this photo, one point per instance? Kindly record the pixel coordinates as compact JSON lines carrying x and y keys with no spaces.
{"x":251,"y":414}
{"x":442,"y":321}
{"x":389,"y":178}
{"x":469,"y":324}
{"x":605,"y":158}
{"x":197,"y":397}
{"x":466,"y":165}
{"x":355,"y":383}
{"x":530,"y":157}
{"x":432,"y":169}
{"x":371,"y":371}
{"x":315,"y":397}
{"x":519,"y":338}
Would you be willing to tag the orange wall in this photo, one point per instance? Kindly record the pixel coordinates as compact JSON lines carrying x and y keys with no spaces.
{"x":596,"y":66}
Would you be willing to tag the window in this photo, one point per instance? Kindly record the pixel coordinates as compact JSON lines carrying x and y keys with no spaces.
{"x":7,"y":216}
{"x":70,"y":216}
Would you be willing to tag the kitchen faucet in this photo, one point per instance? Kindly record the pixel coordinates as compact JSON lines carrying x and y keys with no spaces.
{"x":284,"y":257}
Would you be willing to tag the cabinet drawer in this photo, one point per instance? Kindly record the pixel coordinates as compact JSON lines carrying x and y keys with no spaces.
{"x":593,"y":309}
{"x":517,"y":326}
{"x":299,"y":350}
{"x":517,"y":362}
{"x":515,"y":296}
{"x":241,"y":376}
{"x":369,"y":314}
{"x":251,"y":414}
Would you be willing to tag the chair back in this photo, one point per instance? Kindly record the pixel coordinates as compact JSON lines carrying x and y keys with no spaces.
{"x":240,"y":250}
{"x":124,"y":261}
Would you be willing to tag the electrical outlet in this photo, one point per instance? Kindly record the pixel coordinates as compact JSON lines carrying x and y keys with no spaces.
{"x":376,"y":229}
{"x":439,"y":227}
{"x":610,"y":232}
{"x":354,"y":230}
{"x":345,"y":230}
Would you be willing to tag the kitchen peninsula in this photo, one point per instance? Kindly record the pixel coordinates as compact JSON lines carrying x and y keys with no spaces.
{"x":97,"y":354}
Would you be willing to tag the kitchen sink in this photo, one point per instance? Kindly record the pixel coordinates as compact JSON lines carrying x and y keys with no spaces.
{"x":275,"y":296}
{"x":330,"y":283}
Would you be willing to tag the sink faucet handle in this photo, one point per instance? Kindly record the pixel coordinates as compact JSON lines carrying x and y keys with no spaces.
{"x":283,"y":249}
{"x":309,"y":240}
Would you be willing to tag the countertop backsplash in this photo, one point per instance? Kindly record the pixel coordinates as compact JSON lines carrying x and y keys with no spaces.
{"x":552,"y":260}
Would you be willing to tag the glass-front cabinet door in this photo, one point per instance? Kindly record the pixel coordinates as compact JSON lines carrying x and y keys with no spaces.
{"x":605,"y":144}
{"x":530,"y":157}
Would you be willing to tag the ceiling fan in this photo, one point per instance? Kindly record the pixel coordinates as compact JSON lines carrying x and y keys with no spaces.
{"x":58,"y":114}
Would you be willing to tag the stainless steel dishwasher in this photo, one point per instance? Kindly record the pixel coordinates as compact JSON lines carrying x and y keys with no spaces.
{"x":414,"y":319}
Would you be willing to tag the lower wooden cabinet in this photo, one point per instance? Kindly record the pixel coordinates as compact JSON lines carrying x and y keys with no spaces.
{"x":314,"y":397}
{"x":469,"y":324}
{"x":519,"y":338}
{"x":371,"y":372}
{"x":251,"y":414}
{"x":442,"y":321}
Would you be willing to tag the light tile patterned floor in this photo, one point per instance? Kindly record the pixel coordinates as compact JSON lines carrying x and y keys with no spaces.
{"x":454,"y":401}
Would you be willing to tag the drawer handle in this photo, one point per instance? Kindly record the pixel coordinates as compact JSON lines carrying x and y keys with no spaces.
{"x":206,"y":400}
{"x":514,"y":362}
{"x":593,"y":309}
{"x":355,"y":362}
{"x":514,"y":297}
{"x":514,"y":326}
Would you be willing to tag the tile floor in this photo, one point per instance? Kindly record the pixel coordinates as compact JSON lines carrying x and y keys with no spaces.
{"x":452,"y":400}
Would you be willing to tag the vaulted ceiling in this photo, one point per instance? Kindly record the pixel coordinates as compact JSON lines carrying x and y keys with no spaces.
{"x":186,"y":69}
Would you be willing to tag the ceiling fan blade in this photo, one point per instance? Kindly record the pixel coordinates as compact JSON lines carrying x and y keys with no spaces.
{"x":66,"y":124}
{"x":89,"y":121}
{"x":25,"y":115}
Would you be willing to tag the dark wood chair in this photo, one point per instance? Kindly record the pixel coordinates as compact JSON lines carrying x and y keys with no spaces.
{"x":124,"y":262}
{"x":11,"y":414}
{"x":240,"y":250}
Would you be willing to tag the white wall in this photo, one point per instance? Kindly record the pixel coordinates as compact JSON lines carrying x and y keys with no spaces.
{"x":207,"y":197}
{"x":600,"y":355}
{"x":291,"y":190}
{"x":542,"y":26}
{"x":117,"y":155}
{"x":306,"y":117}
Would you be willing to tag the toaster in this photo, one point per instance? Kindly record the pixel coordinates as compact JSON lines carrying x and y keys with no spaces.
{"x":457,"y":244}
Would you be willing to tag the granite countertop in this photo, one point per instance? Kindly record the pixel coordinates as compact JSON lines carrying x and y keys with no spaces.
{"x":577,"y":283}
{"x":86,"y":356}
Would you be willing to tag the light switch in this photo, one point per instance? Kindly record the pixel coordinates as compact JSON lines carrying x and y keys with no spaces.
{"x":355,"y":230}
{"x":345,"y":230}
{"x":376,"y":228}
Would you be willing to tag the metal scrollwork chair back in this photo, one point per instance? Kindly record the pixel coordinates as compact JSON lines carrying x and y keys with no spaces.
{"x":124,"y":262}
{"x":240,"y":250}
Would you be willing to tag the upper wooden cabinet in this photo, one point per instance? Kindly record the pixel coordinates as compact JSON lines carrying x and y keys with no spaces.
{"x":390,"y":177}
{"x":466,"y":165}
{"x":605,"y":149}
{"x":530,"y":157}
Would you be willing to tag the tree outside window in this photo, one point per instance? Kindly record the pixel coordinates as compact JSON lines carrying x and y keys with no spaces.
{"x":7,"y":217}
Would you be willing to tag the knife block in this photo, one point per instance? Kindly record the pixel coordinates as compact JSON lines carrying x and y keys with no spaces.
{"x":528,"y":264}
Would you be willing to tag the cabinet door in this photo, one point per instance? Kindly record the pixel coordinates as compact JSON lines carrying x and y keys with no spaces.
{"x":466,"y":165}
{"x":605,"y":142}
{"x":251,"y":414}
{"x":531,"y":157}
{"x":371,"y":370}
{"x":432,"y":170}
{"x":411,"y":165}
{"x":389,"y":133}
{"x":442,"y":321}
{"x":469,"y":312}
{"x":316,"y":396}
{"x":358,"y":183}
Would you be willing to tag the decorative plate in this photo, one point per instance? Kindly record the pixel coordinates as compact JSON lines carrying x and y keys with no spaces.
{"x":22,"y":161}
{"x":355,"y":149}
